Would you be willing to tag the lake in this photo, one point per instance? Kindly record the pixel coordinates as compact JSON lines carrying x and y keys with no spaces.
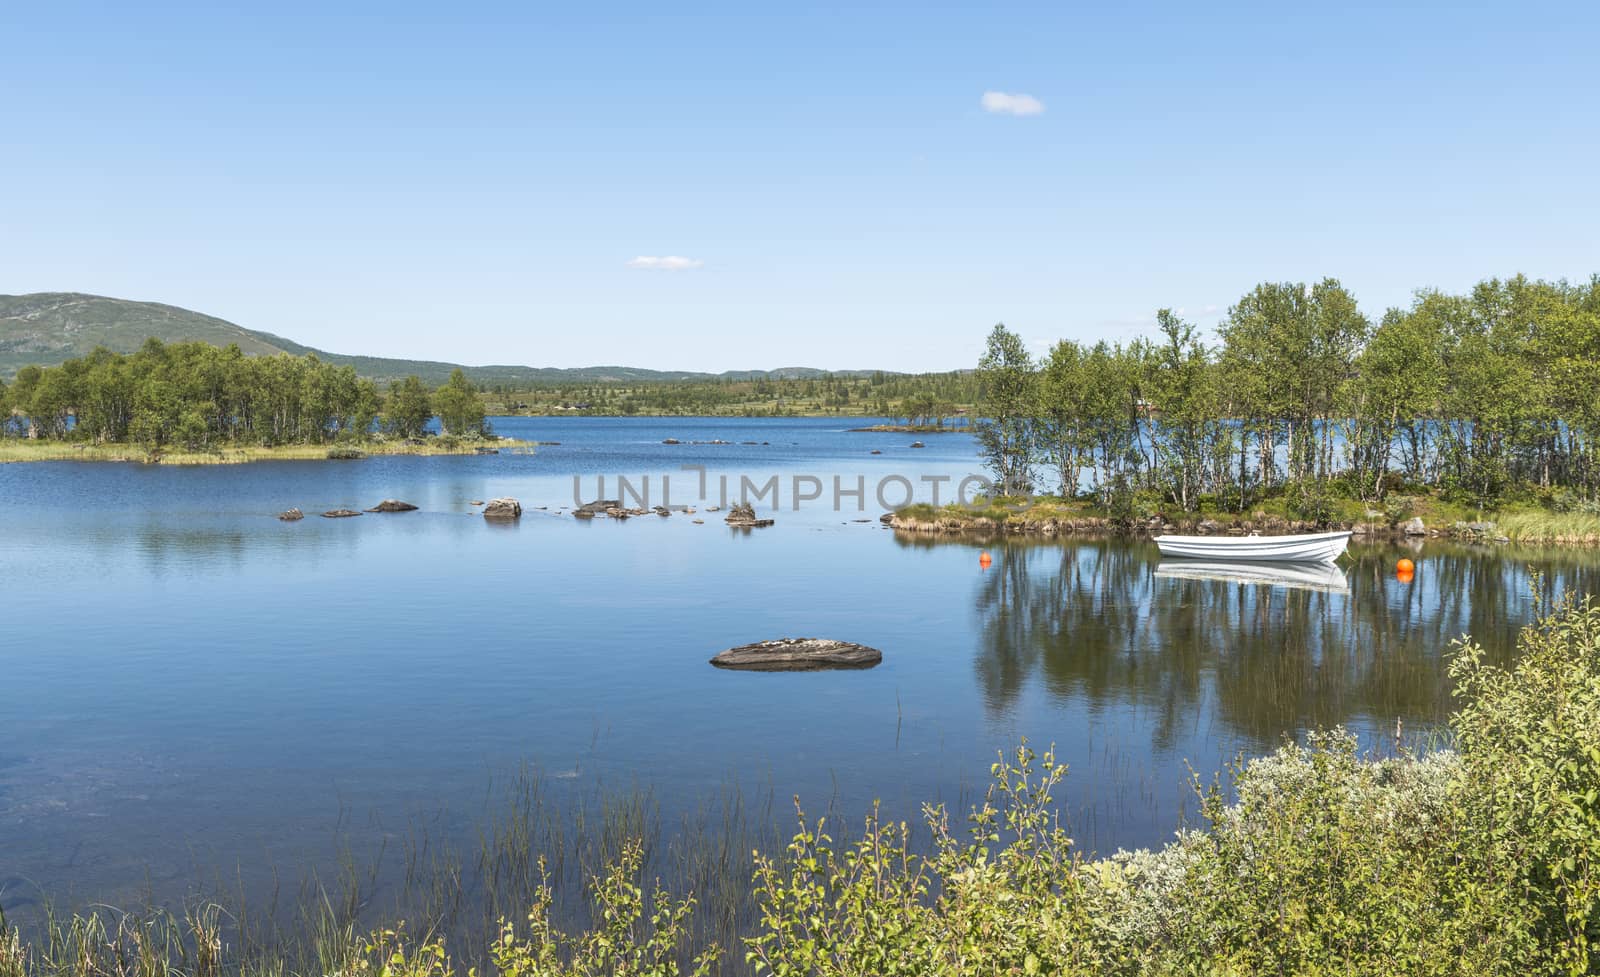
{"x":191,"y":686}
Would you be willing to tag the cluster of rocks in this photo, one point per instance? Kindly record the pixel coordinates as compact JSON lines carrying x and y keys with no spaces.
{"x":742,"y":515}
{"x":614,"y":509}
{"x":504,"y":508}
{"x":713,"y":441}
{"x":1480,"y":532}
{"x":1023,"y":524}
{"x":1377,"y":525}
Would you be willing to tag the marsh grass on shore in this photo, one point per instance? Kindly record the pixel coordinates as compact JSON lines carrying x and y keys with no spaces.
{"x":534,"y":834}
{"x":1542,"y":527}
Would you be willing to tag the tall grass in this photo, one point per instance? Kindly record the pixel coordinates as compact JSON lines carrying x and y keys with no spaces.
{"x":534,"y":834}
{"x":1549,"y":527}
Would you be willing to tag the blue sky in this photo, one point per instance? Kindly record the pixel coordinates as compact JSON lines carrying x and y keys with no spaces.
{"x":474,"y":183}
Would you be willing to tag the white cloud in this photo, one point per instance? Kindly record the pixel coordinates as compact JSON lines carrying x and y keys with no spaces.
{"x":1002,"y":103}
{"x":665,"y":262}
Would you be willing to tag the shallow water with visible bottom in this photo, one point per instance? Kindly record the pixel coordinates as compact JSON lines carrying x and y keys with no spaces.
{"x":188,"y":684}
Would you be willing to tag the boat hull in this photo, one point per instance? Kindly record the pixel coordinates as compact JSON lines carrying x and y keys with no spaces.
{"x":1304,"y":548}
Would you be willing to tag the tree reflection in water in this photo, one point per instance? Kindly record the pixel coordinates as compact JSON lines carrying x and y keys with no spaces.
{"x":1091,"y":621}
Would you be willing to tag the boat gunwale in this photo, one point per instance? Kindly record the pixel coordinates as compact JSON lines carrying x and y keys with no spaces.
{"x":1245,"y":540}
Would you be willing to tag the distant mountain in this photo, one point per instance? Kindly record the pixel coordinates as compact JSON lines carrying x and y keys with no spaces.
{"x":45,"y":328}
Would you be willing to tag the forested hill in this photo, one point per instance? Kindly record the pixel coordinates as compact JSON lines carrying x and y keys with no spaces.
{"x":46,"y":328}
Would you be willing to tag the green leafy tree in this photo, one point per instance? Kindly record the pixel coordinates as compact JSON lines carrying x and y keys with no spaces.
{"x":409,"y":408}
{"x":1065,"y":425}
{"x":1006,"y":381}
{"x":1179,"y":394}
{"x":459,"y":408}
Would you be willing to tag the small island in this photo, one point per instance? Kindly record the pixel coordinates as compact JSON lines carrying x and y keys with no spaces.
{"x":193,"y":403}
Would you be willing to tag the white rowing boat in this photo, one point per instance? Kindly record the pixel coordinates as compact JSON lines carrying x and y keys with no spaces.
{"x":1303,"y":548}
{"x":1324,"y":577}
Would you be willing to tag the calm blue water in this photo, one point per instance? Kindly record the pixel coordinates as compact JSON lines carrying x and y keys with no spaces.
{"x":189,"y":683}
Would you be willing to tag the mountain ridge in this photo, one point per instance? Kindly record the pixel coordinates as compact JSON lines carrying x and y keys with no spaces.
{"x":45,"y":328}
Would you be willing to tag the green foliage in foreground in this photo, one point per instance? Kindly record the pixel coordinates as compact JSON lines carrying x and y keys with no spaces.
{"x":1480,"y":860}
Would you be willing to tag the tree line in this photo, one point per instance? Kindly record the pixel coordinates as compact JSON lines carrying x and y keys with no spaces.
{"x":197,"y":395}
{"x":928,"y":398}
{"x":1480,"y":396}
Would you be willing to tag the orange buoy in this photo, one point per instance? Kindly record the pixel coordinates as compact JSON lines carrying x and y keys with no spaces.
{"x":1405,"y":566}
{"x":983,"y":560}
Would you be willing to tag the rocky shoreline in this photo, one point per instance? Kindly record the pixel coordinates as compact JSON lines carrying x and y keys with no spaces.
{"x":978,"y":526}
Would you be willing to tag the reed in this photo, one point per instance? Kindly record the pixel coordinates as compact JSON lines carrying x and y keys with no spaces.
{"x":1542,"y":527}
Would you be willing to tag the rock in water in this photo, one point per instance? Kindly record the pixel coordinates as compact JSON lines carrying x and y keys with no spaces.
{"x":798,"y":655}
{"x":340,"y":514}
{"x":393,"y":505}
{"x":596,"y":507}
{"x":503,"y":509}
{"x":743,"y":515}
{"x":290,"y":515}
{"x":1414,"y":527}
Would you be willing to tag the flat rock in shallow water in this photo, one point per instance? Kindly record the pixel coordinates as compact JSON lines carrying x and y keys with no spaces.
{"x":393,"y":505}
{"x":798,"y":655}
{"x":340,"y":514}
{"x":290,"y":515}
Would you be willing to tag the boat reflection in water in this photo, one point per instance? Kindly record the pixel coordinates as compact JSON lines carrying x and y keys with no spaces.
{"x":1324,"y":577}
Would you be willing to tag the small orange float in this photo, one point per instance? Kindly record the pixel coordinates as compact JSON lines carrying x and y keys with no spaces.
{"x":1405,"y":566}
{"x":984,"y":560}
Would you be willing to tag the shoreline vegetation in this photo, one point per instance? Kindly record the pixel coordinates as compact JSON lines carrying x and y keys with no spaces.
{"x":1419,"y":519}
{"x":193,"y":403}
{"x":1465,"y":415}
{"x":913,"y":429}
{"x":23,"y":451}
{"x":1480,"y":857}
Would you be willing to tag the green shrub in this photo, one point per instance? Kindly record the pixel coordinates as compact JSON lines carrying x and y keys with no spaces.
{"x":1529,"y":738}
{"x":1399,"y":508}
